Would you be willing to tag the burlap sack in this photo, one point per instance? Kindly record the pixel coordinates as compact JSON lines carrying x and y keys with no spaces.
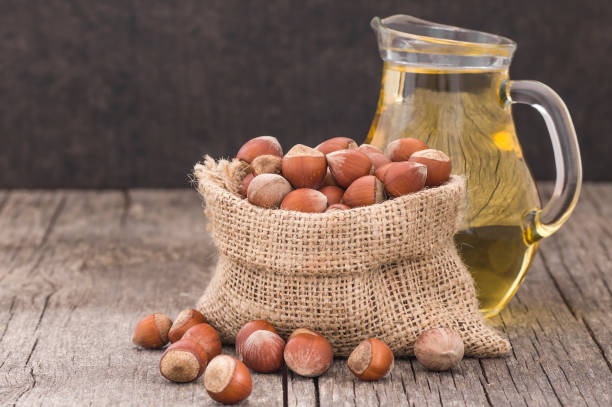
{"x":389,"y":270}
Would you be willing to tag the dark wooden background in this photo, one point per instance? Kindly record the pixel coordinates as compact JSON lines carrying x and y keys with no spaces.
{"x":130,"y":93}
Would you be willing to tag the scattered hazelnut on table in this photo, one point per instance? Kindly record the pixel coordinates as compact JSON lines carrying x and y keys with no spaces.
{"x":348,"y":165}
{"x":183,"y":361}
{"x":370,"y":360}
{"x":335,"y":144}
{"x":247,"y":329}
{"x":151,"y":332}
{"x":305,"y":200}
{"x":366,"y":190}
{"x":185,"y":320}
{"x":439,"y":349}
{"x":402,"y":149}
{"x":207,"y":337}
{"x":404,"y":178}
{"x":262,"y":351}
{"x":308,"y":354}
{"x":227,"y":380}
{"x":438,"y":165}
{"x":268,"y":190}
{"x":259,"y":146}
{"x":304,"y":167}
{"x":266,"y":164}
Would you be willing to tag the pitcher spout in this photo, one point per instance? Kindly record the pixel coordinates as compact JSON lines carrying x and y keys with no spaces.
{"x":407,"y":40}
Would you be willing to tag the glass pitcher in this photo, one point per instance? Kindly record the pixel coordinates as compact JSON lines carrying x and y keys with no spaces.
{"x":449,"y":86}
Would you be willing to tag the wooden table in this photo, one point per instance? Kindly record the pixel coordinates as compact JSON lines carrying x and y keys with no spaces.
{"x":78,"y":270}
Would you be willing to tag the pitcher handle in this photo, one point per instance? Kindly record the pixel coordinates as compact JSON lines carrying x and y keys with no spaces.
{"x":544,"y":222}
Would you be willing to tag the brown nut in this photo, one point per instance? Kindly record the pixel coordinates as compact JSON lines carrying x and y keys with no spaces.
{"x":329,"y":179}
{"x":304,"y":167}
{"x":185,"y":320}
{"x":333,"y":194}
{"x":370,"y":148}
{"x":370,"y":360}
{"x":266,"y":164}
{"x":308,"y":354}
{"x":335,"y":144}
{"x":305,"y":200}
{"x":151,"y":332}
{"x":244,"y":184}
{"x":227,"y":380}
{"x":404,"y":178}
{"x":263,"y":351}
{"x":382,"y":170}
{"x":402,"y":149}
{"x":348,"y":165}
{"x":207,"y":337}
{"x":439,"y":349}
{"x":247,"y":329}
{"x":364,"y":191}
{"x":259,"y":146}
{"x":268,"y":190}
{"x":337,"y":207}
{"x":376,"y":156}
{"x":438,"y":165}
{"x":303,"y":331}
{"x":183,"y":361}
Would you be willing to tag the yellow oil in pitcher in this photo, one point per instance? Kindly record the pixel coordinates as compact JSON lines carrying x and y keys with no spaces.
{"x":460,"y":112}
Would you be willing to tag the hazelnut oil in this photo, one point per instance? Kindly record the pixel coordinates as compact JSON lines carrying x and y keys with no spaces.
{"x":461,"y":113}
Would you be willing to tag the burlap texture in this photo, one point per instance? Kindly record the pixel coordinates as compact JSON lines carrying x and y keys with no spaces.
{"x":389,"y":270}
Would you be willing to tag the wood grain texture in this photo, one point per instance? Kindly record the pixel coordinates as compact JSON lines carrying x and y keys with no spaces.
{"x":78,"y":269}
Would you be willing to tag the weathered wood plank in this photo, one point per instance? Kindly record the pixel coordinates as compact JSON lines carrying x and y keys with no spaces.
{"x":108,"y":261}
{"x":78,"y":269}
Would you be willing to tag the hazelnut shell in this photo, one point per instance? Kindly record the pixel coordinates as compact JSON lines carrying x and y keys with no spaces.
{"x":404,"y":178}
{"x":370,"y":360}
{"x":151,"y":332}
{"x":304,"y":167}
{"x":259,"y":146}
{"x":348,"y":165}
{"x":266,"y":164}
{"x":438,"y":165}
{"x":262,"y":351}
{"x":268,"y":190}
{"x":207,"y":337}
{"x":402,"y":149}
{"x":305,"y":200}
{"x":364,"y":191}
{"x":244,"y":184}
{"x":333,"y":194}
{"x":439,"y":349}
{"x":183,"y":361}
{"x":308,"y":355}
{"x":227,"y":380}
{"x":335,"y":144}
{"x":247,"y":329}
{"x":185,"y":320}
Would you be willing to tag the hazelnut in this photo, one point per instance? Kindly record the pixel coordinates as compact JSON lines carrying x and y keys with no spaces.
{"x":266,"y":164}
{"x":268,"y":190}
{"x":370,"y":360}
{"x":439,"y":349}
{"x":333,"y":194}
{"x":183,"y":361}
{"x":308,"y":354}
{"x":207,"y":337}
{"x":304,"y":167}
{"x":244,"y":184}
{"x":247,"y":329}
{"x":370,"y":148}
{"x":185,"y":320}
{"x":438,"y":165}
{"x":382,"y":170}
{"x":259,"y":146}
{"x":405,"y":177}
{"x":227,"y":380}
{"x":364,"y":191}
{"x":305,"y":200}
{"x":402,"y":149}
{"x":348,"y":165}
{"x":337,"y":207}
{"x":263,"y":351}
{"x":329,"y":179}
{"x":335,"y":144}
{"x":376,"y":156}
{"x":303,"y":331}
{"x":151,"y":332}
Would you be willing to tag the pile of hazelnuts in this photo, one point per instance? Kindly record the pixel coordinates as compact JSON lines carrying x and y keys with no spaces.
{"x":196,"y":349}
{"x":337,"y":174}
